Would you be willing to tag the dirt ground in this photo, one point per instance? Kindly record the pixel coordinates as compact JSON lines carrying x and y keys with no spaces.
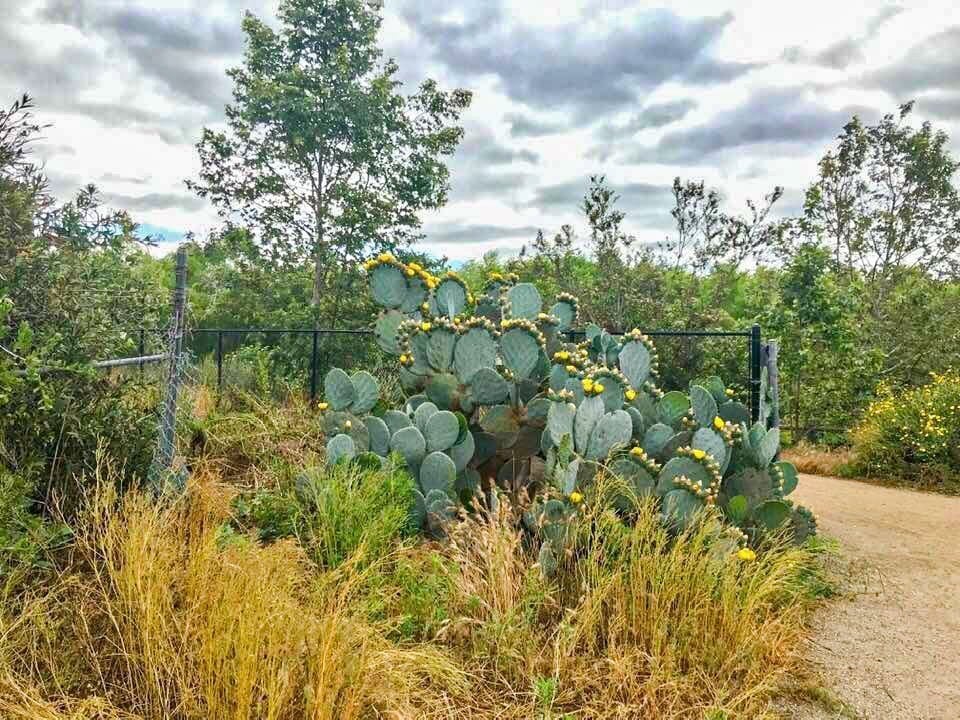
{"x":889,"y":647}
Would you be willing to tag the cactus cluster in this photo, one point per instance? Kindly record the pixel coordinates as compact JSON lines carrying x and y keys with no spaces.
{"x":501,"y":401}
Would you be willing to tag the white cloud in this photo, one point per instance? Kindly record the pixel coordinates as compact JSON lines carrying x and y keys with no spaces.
{"x":745,"y":95}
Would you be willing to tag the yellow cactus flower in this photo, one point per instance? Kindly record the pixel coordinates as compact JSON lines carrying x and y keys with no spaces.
{"x":576,"y":498}
{"x":631,"y":394}
{"x":323,"y":406}
{"x":425,"y":307}
{"x":348,"y":424}
{"x":562,"y":356}
{"x":425,"y":326}
{"x":385,"y":257}
{"x":718,"y":423}
{"x":597,"y":388}
{"x":415,"y":267}
{"x":699,"y":454}
{"x":637,"y":452}
{"x":728,"y":392}
{"x":403,"y":359}
{"x":746,"y":554}
{"x":572,"y":369}
{"x":587,"y":384}
{"x":431,"y":283}
{"x":411,"y":272}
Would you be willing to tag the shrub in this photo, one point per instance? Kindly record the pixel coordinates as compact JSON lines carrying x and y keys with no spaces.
{"x":913,"y":434}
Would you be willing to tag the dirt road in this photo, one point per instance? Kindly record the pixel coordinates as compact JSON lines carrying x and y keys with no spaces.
{"x":891,"y":649}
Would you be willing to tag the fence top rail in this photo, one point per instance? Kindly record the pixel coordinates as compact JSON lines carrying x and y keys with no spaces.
{"x":571,"y":333}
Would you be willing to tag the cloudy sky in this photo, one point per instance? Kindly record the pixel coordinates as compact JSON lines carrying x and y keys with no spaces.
{"x":744,"y":94}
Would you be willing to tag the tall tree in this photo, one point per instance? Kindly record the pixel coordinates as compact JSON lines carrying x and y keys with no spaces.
{"x":323,"y":158}
{"x":885,"y":200}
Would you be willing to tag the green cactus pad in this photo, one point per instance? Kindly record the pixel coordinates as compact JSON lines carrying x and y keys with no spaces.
{"x":636,"y":418}
{"x":396,"y":420}
{"x":612,"y":394}
{"x":680,"y":508}
{"x":388,"y":285}
{"x":714,"y":385}
{"x":638,"y":479}
{"x":704,"y":406}
{"x":672,"y":407}
{"x":679,"y":440}
{"x":475,"y":349}
{"x":340,"y":448}
{"x":766,"y":450}
{"x":755,"y":485}
{"x":612,"y":430}
{"x":520,"y":351}
{"x":385,"y":330}
{"x":418,"y":349}
{"x":772,"y":514}
{"x":547,"y":560}
{"x":790,"y":477}
{"x":410,"y":443}
{"x":367,"y":392}
{"x":685,"y":466}
{"x":440,"y":349}
{"x":462,"y":452}
{"x":488,"y":387}
{"x":338,"y":389}
{"x":451,"y":298}
{"x":441,"y":431}
{"x":738,"y":509}
{"x":634,"y":361}
{"x":588,"y":415}
{"x":467,"y":485}
{"x":567,"y":479}
{"x":655,"y":439}
{"x":486,"y":447}
{"x":558,"y":377}
{"x":566,"y":313}
{"x":560,"y":419}
{"x":711,"y":442}
{"x":417,"y":294}
{"x":418,"y":513}
{"x":501,"y":422}
{"x":443,"y":390}
{"x":379,"y":435}
{"x":423,"y":412}
{"x":647,"y":407}
{"x":525,"y":301}
{"x":734,"y":412}
{"x":413,"y":402}
{"x":438,"y":472}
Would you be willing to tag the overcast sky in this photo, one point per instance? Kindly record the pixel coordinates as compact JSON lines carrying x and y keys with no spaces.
{"x":745,"y":95}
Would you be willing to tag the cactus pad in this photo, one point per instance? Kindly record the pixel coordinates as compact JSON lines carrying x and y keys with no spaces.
{"x":612,"y":430}
{"x":475,"y":349}
{"x":338,"y":389}
{"x":451,"y":297}
{"x":441,"y":431}
{"x":488,"y":387}
{"x":379,"y":435}
{"x":442,"y":390}
{"x":680,"y":508}
{"x":772,"y":514}
{"x":410,"y":443}
{"x":521,"y":351}
{"x":734,"y":412}
{"x":385,"y":330}
{"x":789,"y":473}
{"x":656,"y":437}
{"x":396,"y":420}
{"x":340,"y":448}
{"x":366,"y":390}
{"x":437,"y":472}
{"x":560,"y":420}
{"x":588,"y":415}
{"x":672,"y":407}
{"x":711,"y":442}
{"x":634,"y":361}
{"x":525,"y":301}
{"x":388,"y":285}
{"x":440,"y":349}
{"x":704,"y":405}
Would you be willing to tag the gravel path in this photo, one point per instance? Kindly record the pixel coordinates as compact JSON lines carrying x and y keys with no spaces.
{"x":890,"y":648}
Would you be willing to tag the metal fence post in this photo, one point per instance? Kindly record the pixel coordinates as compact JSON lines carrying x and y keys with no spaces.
{"x":313,"y":366}
{"x":219,"y":361}
{"x":143,"y":348}
{"x":755,"y":372}
{"x":168,"y":424}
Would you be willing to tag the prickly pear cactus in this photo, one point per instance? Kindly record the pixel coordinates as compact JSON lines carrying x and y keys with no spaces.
{"x":500,"y":398}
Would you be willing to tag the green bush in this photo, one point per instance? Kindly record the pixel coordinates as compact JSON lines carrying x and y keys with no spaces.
{"x":914,"y":434}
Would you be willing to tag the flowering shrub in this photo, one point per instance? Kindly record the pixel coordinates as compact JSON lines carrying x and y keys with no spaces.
{"x":914,"y":434}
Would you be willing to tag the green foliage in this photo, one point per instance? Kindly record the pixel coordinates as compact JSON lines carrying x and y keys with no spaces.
{"x":914,"y":434}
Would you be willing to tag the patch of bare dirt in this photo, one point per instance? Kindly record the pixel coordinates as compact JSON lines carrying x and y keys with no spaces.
{"x":889,"y":647}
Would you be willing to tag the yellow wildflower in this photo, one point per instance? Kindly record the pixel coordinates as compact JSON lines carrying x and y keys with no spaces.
{"x":746,"y":554}
{"x":699,"y":454}
{"x":631,"y":395}
{"x":718,"y":423}
{"x":576,"y":498}
{"x":425,"y":326}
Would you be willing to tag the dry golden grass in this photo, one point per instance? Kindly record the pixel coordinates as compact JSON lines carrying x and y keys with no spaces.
{"x":152,"y":618}
{"x":817,"y":460}
{"x":164,"y":624}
